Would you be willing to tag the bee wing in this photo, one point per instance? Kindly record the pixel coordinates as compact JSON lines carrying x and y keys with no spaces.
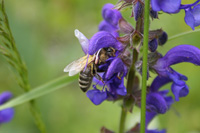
{"x":77,"y":65}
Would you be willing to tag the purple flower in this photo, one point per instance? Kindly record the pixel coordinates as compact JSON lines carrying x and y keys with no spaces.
{"x":97,"y":96}
{"x":6,"y":115}
{"x":111,"y":15}
{"x":168,"y":6}
{"x":178,"y":54}
{"x":179,"y":91}
{"x":158,"y":101}
{"x":192,"y":16}
{"x":111,"y":19}
{"x":113,"y":79}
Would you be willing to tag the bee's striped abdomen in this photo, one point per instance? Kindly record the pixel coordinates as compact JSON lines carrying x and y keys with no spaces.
{"x":85,"y":79}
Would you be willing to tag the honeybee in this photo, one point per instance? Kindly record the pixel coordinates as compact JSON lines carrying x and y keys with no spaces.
{"x":88,"y":67}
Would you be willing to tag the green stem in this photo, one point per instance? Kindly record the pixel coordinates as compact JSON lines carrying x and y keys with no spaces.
{"x":35,"y":112}
{"x":129,"y":86}
{"x":144,"y":66}
{"x":122,"y":120}
{"x":131,"y":74}
{"x":23,"y":74}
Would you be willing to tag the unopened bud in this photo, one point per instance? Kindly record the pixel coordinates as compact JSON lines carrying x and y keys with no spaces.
{"x":163,"y":38}
{"x":153,"y":44}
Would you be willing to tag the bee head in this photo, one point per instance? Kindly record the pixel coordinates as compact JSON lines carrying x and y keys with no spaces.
{"x":110,"y":51}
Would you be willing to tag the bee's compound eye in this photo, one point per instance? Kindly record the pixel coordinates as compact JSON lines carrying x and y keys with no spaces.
{"x":109,"y":50}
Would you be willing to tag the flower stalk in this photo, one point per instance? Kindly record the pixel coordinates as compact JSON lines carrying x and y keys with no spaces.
{"x":122,"y":120}
{"x":144,"y":65}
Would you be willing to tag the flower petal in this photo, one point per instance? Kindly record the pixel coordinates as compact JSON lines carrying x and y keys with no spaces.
{"x":121,"y":89}
{"x":6,"y":115}
{"x":156,"y":131}
{"x":169,"y":6}
{"x":179,"y":91}
{"x":111,"y":15}
{"x":196,"y":14}
{"x":96,"y":96}
{"x":116,"y":66}
{"x":155,"y":5}
{"x":169,"y":100}
{"x":149,"y":117}
{"x":105,"y":26}
{"x":175,"y":77}
{"x":158,"y":82}
{"x":116,"y":86}
{"x":189,"y":19}
{"x":103,"y":39}
{"x":4,"y":97}
{"x":158,"y":103}
{"x":182,"y":53}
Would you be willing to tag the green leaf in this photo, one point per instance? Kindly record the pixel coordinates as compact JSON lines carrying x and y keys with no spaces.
{"x":40,"y":91}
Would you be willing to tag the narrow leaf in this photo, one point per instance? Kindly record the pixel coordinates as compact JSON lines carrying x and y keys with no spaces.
{"x":39,"y":91}
{"x":182,"y":34}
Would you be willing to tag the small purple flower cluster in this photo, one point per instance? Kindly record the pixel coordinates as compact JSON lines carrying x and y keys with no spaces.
{"x":6,"y":115}
{"x":114,"y":70}
{"x":115,"y":32}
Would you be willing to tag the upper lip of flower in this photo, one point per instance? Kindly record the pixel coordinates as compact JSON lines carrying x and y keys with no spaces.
{"x":166,"y":5}
{"x":103,"y":39}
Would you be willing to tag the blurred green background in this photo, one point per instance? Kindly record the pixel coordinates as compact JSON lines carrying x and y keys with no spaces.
{"x":44,"y":33}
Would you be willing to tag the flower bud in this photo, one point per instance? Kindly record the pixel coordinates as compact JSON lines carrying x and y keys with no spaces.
{"x":153,"y":44}
{"x":163,"y":39}
{"x":138,"y":9}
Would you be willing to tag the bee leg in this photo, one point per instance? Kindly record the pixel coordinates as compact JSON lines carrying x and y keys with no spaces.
{"x":96,"y":74}
{"x":99,"y":77}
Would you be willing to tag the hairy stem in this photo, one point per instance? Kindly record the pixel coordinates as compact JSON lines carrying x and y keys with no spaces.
{"x":22,"y":70}
{"x":144,"y":65}
{"x":131,"y":75}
